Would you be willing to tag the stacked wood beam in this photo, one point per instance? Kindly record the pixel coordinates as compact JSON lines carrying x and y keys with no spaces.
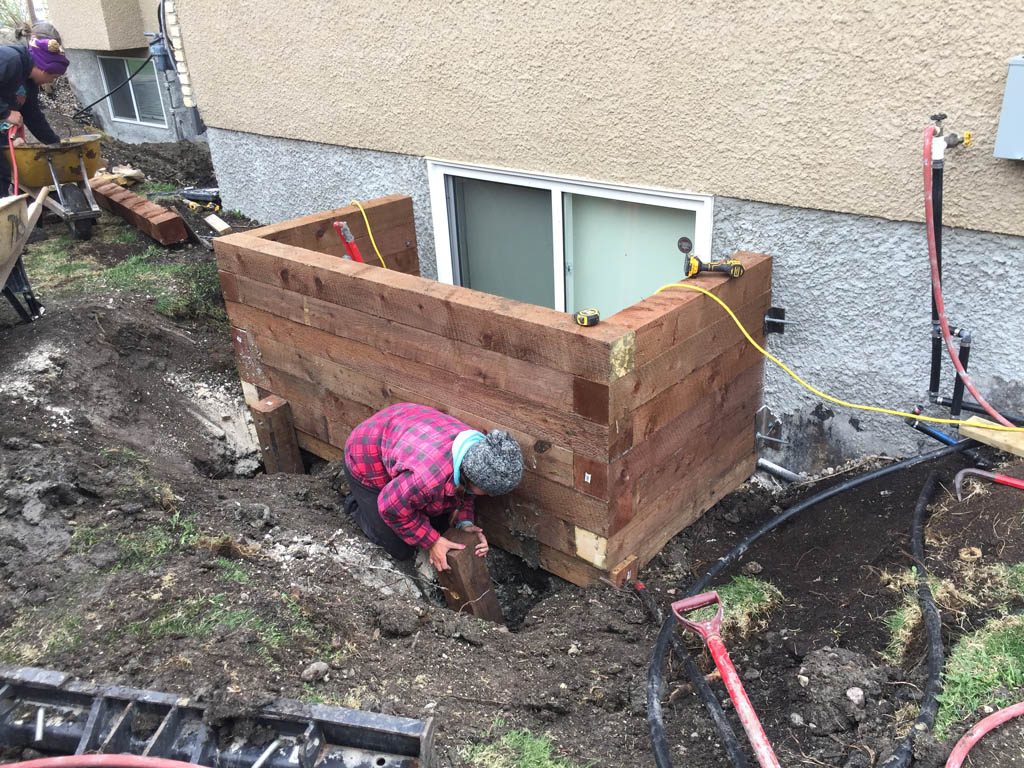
{"x":630,"y":429}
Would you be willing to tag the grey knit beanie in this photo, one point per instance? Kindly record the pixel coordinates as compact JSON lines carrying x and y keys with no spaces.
{"x":494,"y":464}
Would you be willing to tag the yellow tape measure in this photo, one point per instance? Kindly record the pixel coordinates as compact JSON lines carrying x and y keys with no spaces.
{"x":587,"y":317}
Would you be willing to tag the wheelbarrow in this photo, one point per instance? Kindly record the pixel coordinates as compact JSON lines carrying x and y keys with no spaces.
{"x":17,"y":220}
{"x":65,"y":169}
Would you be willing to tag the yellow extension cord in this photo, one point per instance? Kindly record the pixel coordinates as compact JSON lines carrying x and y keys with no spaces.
{"x":818,"y":392}
{"x":370,"y":232}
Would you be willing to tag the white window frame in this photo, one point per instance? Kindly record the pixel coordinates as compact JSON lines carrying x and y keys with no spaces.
{"x":131,"y":90}
{"x":441,"y":209}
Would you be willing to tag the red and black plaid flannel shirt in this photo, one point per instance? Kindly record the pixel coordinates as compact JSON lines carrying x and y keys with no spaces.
{"x":406,"y":451}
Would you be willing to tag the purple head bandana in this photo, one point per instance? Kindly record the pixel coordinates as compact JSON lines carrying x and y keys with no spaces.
{"x":47,"y":54}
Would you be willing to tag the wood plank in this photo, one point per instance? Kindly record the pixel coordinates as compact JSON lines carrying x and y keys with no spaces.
{"x":734,"y":417}
{"x":467,"y":584}
{"x":625,"y":572}
{"x":557,"y":426}
{"x":701,"y":349}
{"x":272,"y":417}
{"x":681,"y":429}
{"x":710,"y":381}
{"x":664,"y":320}
{"x":529,"y":381}
{"x":538,"y":555}
{"x":681,"y":505}
{"x":318,"y":447}
{"x":539,"y":335}
{"x":335,"y":389}
{"x":377,"y":209}
{"x":1011,"y":442}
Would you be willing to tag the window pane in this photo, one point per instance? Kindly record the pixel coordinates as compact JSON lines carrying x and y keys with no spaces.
{"x":121,"y":105}
{"x":147,"y":93}
{"x":503,"y":236}
{"x":618,"y":253}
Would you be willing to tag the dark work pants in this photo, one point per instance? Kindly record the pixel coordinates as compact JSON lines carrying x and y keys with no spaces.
{"x":363,"y":508}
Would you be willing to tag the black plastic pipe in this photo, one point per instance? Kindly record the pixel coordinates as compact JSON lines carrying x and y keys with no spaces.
{"x":967,"y":405}
{"x":904,"y":753}
{"x":703,"y":690}
{"x":958,"y":386}
{"x":655,"y":672}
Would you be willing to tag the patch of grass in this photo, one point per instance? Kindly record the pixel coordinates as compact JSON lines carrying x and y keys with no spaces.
{"x":232,"y":570}
{"x":26,"y":641}
{"x":149,"y":188}
{"x":141,"y":551}
{"x":179,"y":291}
{"x":197,"y":617}
{"x":119,"y":233}
{"x":516,"y":749}
{"x":54,"y":266}
{"x":983,"y":668}
{"x":901,"y":623}
{"x":85,"y":537}
{"x":747,"y":602}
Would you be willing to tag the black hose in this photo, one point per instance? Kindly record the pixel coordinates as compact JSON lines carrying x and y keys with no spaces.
{"x":656,"y":725}
{"x":933,"y":624}
{"x":112,"y":91}
{"x":700,"y":685}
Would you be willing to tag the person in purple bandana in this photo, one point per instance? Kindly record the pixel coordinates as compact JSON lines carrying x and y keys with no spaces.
{"x":22,"y":70}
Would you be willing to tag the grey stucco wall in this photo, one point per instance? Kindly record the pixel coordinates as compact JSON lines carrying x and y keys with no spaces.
{"x":87,"y":84}
{"x":272,"y":180}
{"x":857,"y":288}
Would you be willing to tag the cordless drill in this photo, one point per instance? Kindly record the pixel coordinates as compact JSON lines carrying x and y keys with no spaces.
{"x":694,"y":266}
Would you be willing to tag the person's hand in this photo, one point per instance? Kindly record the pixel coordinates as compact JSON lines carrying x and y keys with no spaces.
{"x":439,"y":552}
{"x":482,"y":547}
{"x":14,"y":118}
{"x":19,"y":142}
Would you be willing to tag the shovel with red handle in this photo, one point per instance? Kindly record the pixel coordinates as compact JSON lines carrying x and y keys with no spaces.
{"x":958,"y":481}
{"x":710,"y":632}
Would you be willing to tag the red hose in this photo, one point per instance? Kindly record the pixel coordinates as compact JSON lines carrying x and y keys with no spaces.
{"x":969,"y":739}
{"x":940,"y":307}
{"x":102,"y":761}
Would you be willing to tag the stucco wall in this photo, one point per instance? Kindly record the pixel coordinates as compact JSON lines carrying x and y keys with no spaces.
{"x":856,"y":287}
{"x":809,"y":105}
{"x":273,"y":180}
{"x":103,"y":25}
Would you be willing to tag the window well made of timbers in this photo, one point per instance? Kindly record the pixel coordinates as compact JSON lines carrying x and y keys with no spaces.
{"x":630,"y":429}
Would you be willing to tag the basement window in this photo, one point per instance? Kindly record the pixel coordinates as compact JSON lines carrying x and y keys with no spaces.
{"x":566,"y":244}
{"x":139,"y":101}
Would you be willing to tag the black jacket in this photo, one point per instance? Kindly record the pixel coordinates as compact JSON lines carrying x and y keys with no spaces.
{"x":18,"y":92}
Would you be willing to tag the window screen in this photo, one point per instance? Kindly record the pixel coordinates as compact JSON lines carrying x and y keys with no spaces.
{"x":139,"y":101}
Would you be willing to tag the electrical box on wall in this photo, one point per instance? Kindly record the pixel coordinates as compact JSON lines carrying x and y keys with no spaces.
{"x":1010,"y":137}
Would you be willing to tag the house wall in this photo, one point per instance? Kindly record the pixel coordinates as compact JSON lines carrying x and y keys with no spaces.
{"x":87,"y":83}
{"x":855,"y":286}
{"x":103,"y":25}
{"x":805,"y":105}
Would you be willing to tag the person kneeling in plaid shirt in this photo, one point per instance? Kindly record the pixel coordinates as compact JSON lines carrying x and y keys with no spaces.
{"x":413,"y":471}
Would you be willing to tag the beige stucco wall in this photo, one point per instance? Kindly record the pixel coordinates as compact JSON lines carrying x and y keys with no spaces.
{"x":818,"y":105}
{"x":103,"y":25}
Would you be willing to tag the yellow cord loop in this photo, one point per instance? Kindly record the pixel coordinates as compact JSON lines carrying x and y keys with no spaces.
{"x":370,"y":232}
{"x":818,"y":392}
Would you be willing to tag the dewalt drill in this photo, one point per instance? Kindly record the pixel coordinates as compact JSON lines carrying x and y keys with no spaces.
{"x":694,"y":266}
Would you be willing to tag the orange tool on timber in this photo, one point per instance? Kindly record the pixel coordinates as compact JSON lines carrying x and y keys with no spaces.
{"x":341,"y":227}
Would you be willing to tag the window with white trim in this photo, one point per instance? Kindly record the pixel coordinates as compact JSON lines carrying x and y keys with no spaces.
{"x":567,"y":244}
{"x":140,"y":101}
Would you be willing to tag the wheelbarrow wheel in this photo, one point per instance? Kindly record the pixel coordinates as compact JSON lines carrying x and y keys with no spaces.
{"x":76,"y":202}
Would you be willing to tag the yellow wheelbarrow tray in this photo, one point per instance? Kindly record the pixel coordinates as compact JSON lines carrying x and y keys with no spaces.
{"x":65,"y":169}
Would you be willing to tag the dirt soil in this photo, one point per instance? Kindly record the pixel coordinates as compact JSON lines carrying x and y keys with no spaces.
{"x":140,"y":544}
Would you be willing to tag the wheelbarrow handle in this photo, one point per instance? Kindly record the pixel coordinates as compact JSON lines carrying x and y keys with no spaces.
{"x":706,"y":628}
